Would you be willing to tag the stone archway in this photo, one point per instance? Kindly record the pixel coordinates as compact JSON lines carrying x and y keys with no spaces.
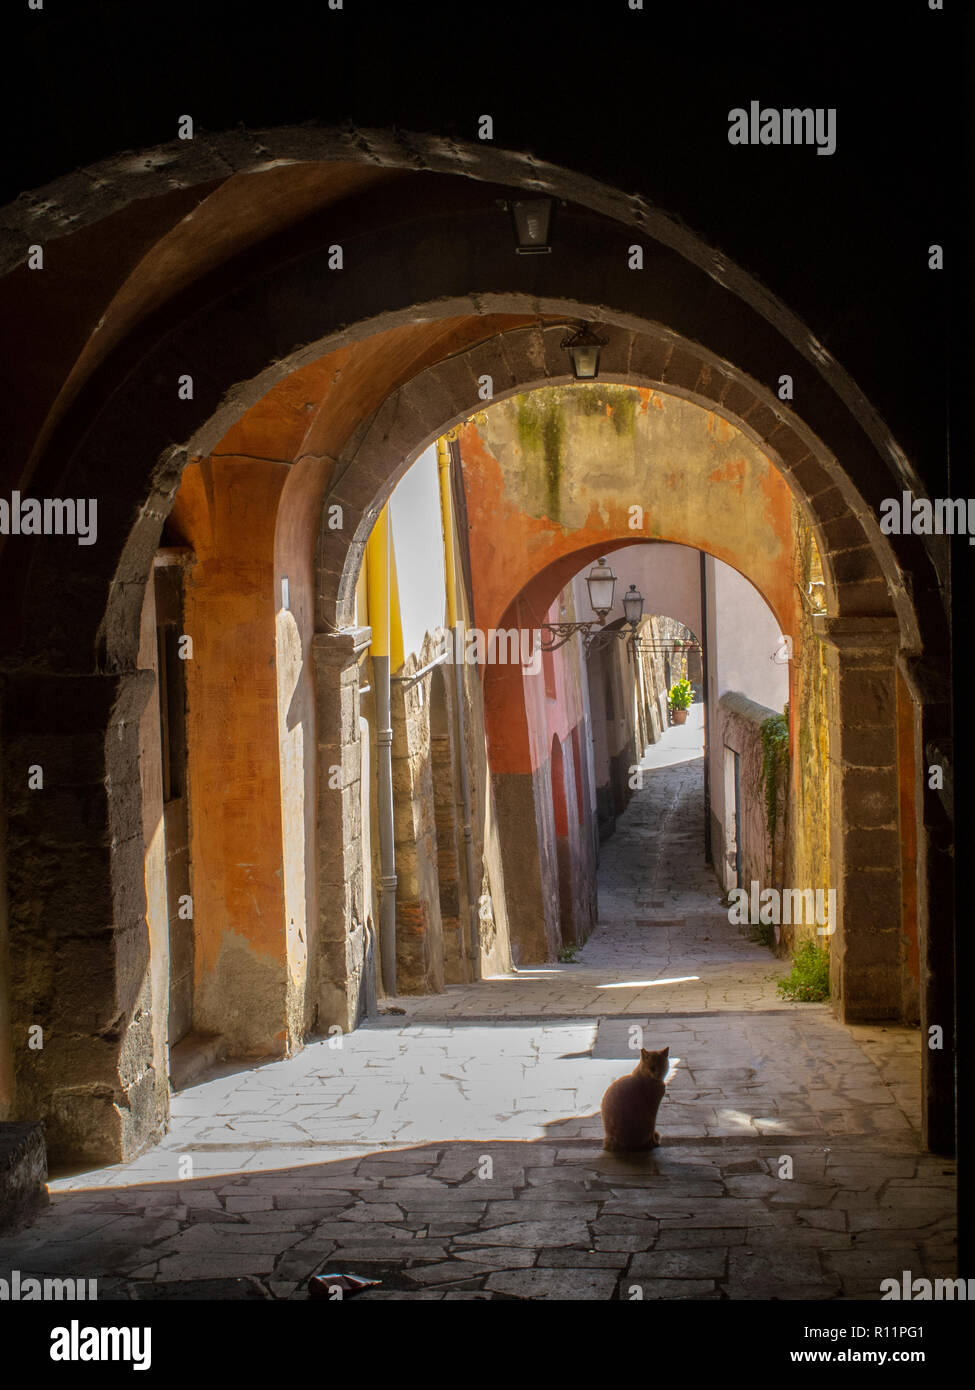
{"x":862,"y":657}
{"x":681,"y":325}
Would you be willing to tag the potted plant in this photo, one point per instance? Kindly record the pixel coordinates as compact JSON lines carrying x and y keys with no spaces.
{"x":679,"y":700}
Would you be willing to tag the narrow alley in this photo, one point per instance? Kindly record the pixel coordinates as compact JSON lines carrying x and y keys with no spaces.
{"x":453,"y":1150}
{"x":479,"y":621}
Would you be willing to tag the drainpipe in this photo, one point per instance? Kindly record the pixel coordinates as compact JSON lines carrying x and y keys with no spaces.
{"x":450,"y":582}
{"x":377,"y":568}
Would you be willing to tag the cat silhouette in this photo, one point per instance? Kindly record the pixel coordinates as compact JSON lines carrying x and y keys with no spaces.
{"x":629,"y":1107}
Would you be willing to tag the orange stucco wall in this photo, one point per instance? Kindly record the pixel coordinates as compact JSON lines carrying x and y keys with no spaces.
{"x":521,"y":715}
{"x":548,"y":493}
{"x":226,"y":509}
{"x":699,"y":480}
{"x":251,"y":512}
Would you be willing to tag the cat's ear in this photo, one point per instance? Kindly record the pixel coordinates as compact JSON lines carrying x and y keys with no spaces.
{"x":645,"y":1054}
{"x":665,"y":1050}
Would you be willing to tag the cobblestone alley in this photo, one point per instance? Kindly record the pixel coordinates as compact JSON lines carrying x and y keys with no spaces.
{"x":453,"y":1151}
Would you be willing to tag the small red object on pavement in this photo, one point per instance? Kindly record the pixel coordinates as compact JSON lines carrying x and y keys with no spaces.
{"x":336,"y":1286}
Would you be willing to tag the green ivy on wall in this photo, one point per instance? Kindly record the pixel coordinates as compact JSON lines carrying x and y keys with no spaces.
{"x":775,"y":758}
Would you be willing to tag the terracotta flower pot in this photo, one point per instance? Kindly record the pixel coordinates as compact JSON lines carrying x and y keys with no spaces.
{"x":678,"y":716}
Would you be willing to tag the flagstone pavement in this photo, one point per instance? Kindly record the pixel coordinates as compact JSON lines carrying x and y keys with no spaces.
{"x":453,"y":1151}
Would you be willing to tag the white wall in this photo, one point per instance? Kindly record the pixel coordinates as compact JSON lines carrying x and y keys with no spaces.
{"x":746,"y":635}
{"x":414,"y":511}
{"x":742,"y":636}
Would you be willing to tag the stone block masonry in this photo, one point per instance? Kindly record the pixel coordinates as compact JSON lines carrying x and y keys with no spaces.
{"x":23,"y":1173}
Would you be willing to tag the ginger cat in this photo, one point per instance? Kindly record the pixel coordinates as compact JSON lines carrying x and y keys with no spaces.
{"x":630,"y":1104}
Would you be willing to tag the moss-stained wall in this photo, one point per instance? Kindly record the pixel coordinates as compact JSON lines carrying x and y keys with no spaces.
{"x":563,"y":468}
{"x":807,"y":849}
{"x":543,"y":418}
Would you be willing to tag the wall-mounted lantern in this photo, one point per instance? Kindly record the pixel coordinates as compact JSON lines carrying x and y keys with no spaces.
{"x":583,"y":347}
{"x":602,"y":590}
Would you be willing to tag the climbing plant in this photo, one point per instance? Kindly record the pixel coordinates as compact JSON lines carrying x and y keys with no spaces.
{"x":775,"y":758}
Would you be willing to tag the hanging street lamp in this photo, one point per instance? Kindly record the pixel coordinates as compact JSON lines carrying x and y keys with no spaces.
{"x":532,"y":218}
{"x":583,"y":346}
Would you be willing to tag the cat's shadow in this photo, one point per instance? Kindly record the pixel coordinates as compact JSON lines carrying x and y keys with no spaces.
{"x":587,"y":1148}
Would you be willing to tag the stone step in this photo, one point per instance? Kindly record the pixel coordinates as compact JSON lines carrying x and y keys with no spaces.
{"x":193,"y":1056}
